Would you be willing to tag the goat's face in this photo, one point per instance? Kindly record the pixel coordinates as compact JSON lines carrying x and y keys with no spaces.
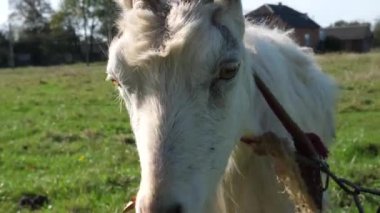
{"x":178,"y":68}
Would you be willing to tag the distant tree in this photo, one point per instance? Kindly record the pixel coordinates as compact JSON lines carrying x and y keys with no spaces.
{"x":12,"y":23}
{"x":94,"y":20}
{"x":64,"y":36}
{"x":107,"y":15}
{"x":72,"y":31}
{"x":339,"y":23}
{"x":342,"y":23}
{"x":83,"y":13}
{"x":376,"y":33}
{"x":3,"y":49}
{"x":32,"y":18}
{"x":3,"y":38}
{"x":34,"y":14}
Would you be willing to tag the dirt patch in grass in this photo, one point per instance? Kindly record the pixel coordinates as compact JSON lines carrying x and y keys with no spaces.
{"x":127,"y":139}
{"x":370,"y":150}
{"x":62,"y":137}
{"x":33,"y":201}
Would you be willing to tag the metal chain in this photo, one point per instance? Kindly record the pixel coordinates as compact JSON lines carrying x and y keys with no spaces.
{"x":347,"y":186}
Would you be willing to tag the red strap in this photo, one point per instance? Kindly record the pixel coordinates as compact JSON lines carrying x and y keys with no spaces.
{"x":318,"y":145}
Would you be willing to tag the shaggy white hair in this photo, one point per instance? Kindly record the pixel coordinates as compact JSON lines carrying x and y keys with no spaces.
{"x":308,"y":96}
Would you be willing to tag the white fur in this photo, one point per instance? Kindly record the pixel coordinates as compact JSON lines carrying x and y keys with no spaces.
{"x":187,"y":134}
{"x":307,"y":95}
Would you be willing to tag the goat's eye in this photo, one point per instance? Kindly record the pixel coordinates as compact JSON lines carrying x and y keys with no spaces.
{"x":115,"y":82}
{"x":229,"y":70}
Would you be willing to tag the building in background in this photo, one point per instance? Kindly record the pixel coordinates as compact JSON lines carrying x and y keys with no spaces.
{"x":306,"y":31}
{"x":357,"y":38}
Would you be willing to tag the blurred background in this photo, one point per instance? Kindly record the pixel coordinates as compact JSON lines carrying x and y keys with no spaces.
{"x":43,"y":32}
{"x":39,"y":32}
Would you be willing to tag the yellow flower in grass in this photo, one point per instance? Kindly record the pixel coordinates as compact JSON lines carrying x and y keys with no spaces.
{"x":82,"y":158}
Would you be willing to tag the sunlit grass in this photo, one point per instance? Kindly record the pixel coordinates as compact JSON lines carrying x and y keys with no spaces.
{"x":63,"y":135}
{"x":356,"y":153}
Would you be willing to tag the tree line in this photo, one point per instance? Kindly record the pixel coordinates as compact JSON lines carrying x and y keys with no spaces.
{"x":78,"y":31}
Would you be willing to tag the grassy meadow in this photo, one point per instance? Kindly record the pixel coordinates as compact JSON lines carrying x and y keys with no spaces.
{"x":64,"y":135}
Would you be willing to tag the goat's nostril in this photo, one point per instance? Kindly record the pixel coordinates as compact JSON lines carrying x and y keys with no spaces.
{"x":177,"y":208}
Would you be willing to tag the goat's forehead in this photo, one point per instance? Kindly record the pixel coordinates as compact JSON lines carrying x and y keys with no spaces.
{"x":186,"y":30}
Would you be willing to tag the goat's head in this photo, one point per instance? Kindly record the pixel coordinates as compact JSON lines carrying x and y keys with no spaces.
{"x":179,"y":70}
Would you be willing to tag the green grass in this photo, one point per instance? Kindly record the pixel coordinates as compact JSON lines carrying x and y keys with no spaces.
{"x":356,"y":152}
{"x":63,"y":134}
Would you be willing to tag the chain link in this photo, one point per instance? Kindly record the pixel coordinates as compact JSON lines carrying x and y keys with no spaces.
{"x":352,"y":189}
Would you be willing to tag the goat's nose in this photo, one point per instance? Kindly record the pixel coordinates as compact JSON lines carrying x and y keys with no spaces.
{"x":159,"y":207}
{"x":176,"y":208}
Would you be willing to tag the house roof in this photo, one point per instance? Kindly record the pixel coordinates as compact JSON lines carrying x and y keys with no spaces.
{"x":349,"y":32}
{"x":291,"y":17}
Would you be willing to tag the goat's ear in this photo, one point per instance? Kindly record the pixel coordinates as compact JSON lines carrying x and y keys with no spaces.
{"x":232,"y":6}
{"x":153,"y":5}
{"x":203,"y":1}
{"x":125,"y":4}
{"x":232,"y":15}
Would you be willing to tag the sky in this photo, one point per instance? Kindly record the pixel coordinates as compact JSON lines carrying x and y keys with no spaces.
{"x":324,"y":12}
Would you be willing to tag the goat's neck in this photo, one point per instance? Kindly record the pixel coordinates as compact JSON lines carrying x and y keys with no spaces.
{"x":250,"y":185}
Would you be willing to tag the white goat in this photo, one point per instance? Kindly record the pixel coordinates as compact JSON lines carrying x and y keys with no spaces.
{"x":184,"y":69}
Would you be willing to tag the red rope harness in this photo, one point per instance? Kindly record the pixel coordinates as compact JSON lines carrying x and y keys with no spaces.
{"x":308,"y":145}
